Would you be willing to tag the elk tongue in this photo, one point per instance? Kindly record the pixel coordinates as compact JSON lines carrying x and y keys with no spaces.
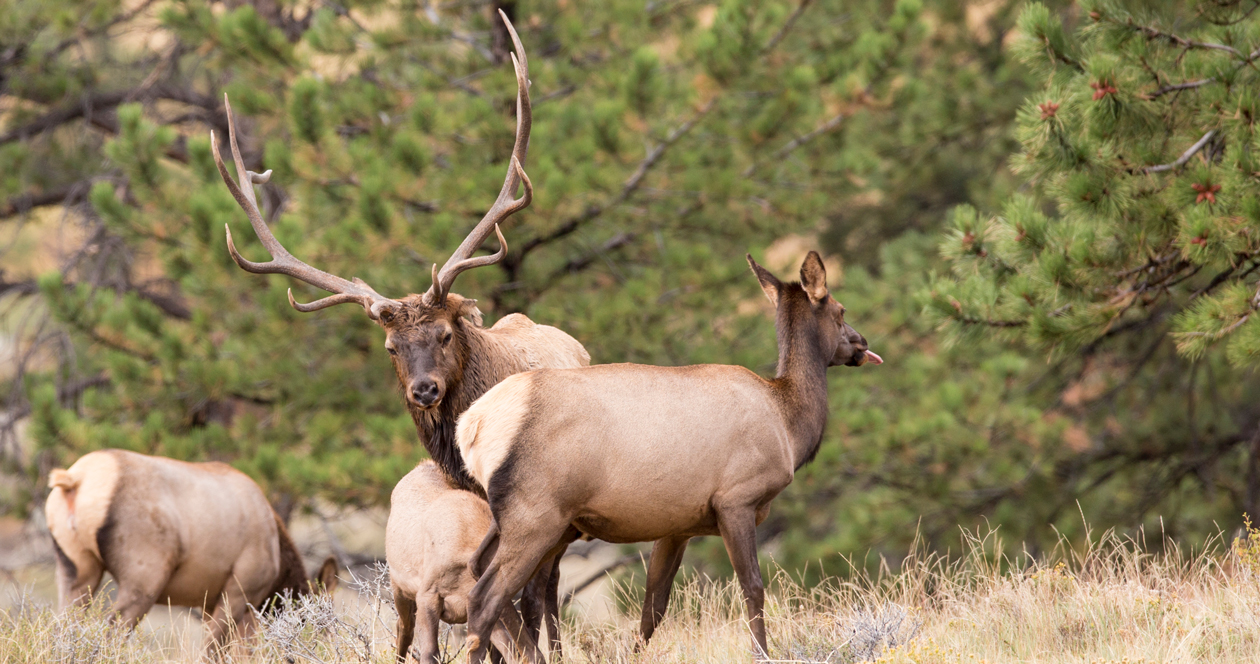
{"x":872,"y":358}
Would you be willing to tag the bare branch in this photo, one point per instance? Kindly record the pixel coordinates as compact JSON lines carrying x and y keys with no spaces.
{"x":58,"y":196}
{"x":1185,"y":156}
{"x":616,"y":564}
{"x":798,"y":142}
{"x":1179,"y":86}
{"x":1152,"y":33}
{"x":100,"y":102}
{"x":787,"y":25}
{"x":584,"y":261}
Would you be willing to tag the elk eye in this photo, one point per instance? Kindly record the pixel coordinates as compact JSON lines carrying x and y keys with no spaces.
{"x":390,"y":350}
{"x":446,"y":338}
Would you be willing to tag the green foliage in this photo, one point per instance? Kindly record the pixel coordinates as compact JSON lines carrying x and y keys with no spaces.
{"x":1130,"y":261}
{"x":667,"y":141}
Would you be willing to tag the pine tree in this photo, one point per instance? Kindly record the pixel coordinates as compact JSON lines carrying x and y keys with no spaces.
{"x":1129,"y":262}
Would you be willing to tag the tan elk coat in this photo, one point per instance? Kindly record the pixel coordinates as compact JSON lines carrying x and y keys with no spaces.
{"x":171,"y":532}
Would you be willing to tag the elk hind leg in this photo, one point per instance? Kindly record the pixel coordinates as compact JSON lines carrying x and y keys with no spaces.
{"x":428,"y":611}
{"x":512,"y":641}
{"x":76,"y":584}
{"x":406,"y":630}
{"x":519,"y":554}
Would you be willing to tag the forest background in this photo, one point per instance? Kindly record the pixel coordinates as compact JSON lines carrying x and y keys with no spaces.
{"x":1044,"y":217}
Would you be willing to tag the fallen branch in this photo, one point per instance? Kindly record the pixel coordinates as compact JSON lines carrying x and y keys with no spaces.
{"x":614,"y":565}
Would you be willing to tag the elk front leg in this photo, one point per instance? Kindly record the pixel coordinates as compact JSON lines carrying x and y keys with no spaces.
{"x":667,"y":555}
{"x":228,"y":620}
{"x":739,"y":533}
{"x":406,"y":608}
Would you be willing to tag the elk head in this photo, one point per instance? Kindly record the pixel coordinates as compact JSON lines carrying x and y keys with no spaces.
{"x":423,"y":332}
{"x":810,"y":298}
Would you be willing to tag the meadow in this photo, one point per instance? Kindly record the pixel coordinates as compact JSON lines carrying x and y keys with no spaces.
{"x":1113,"y":601}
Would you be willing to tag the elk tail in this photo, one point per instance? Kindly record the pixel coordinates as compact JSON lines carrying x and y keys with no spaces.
{"x":62,"y":479}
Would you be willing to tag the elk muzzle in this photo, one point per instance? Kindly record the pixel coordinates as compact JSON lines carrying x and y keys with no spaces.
{"x":425,"y":392}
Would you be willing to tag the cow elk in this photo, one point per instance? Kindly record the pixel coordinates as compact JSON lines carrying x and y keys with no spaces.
{"x":171,"y":532}
{"x":433,"y":530}
{"x":442,"y":355}
{"x":633,"y":453}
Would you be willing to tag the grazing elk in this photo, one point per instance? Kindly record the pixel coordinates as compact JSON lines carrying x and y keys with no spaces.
{"x":433,"y":530}
{"x":444,"y":359}
{"x":188,"y":534}
{"x":654,"y":453}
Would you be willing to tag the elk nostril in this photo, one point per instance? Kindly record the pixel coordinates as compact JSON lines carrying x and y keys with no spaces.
{"x":425,"y":392}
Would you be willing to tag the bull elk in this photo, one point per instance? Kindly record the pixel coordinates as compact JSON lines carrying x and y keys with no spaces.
{"x":443,"y":357}
{"x":433,"y":530}
{"x":188,"y":534}
{"x":654,"y":453}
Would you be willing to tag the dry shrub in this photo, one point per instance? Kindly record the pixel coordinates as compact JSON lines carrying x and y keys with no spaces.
{"x":1110,"y":600}
{"x":36,"y":633}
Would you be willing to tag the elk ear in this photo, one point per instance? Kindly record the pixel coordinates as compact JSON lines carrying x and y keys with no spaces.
{"x":468,"y":308}
{"x":814,"y":277}
{"x":382,"y":311}
{"x":326,"y":579}
{"x":770,"y":284}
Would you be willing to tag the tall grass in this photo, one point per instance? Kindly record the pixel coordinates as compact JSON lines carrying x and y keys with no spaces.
{"x":1110,"y":600}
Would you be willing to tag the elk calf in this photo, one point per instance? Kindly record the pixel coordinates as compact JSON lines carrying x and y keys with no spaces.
{"x":433,"y":530}
{"x":632,"y":453}
{"x":187,"y":534}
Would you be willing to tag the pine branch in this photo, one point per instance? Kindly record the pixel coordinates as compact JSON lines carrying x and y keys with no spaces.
{"x":513,"y":261}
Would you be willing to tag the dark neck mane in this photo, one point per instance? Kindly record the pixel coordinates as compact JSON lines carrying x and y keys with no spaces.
{"x":801,"y":378}
{"x":485,"y":364}
{"x":291,"y":579}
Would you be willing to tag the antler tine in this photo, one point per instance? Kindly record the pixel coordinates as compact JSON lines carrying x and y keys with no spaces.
{"x":282,"y":262}
{"x":502,"y":210}
{"x":504,"y":206}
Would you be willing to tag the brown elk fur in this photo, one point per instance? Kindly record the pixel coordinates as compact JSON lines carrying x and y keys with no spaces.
{"x":474,"y":360}
{"x":187,"y":534}
{"x":633,"y":453}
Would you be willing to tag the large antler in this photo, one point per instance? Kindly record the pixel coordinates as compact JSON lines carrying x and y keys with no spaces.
{"x":504,"y":206}
{"x":282,"y":262}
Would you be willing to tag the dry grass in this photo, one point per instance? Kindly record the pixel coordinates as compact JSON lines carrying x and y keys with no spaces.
{"x":1108,"y":602}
